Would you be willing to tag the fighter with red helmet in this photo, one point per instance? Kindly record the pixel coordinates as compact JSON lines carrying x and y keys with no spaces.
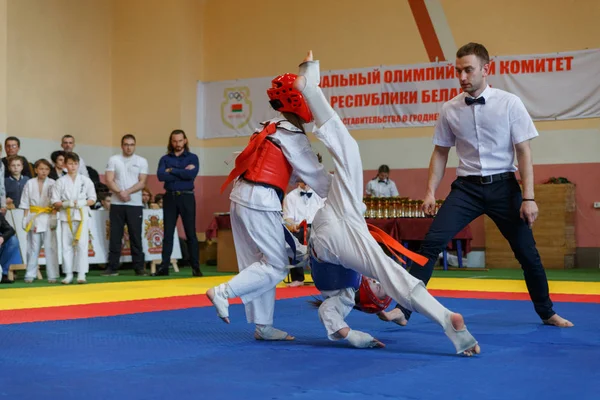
{"x":341,"y":238}
{"x":261,"y":175}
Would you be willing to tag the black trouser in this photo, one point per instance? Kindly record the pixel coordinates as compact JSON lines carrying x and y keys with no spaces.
{"x":297,"y":274}
{"x":119,"y":216}
{"x":174,"y":205}
{"x":501,"y":201}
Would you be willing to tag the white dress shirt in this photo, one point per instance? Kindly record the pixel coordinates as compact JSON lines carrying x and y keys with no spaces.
{"x":298,"y":207}
{"x":387,"y":188}
{"x":484,"y":134}
{"x":296,"y":149}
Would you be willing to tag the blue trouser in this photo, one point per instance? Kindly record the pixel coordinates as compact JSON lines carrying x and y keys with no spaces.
{"x":10,"y":254}
{"x":501,"y":201}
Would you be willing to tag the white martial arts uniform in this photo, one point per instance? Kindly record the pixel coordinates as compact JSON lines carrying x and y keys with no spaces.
{"x":80,"y":190}
{"x":339,"y":232}
{"x":42,"y":230}
{"x":257,"y":226}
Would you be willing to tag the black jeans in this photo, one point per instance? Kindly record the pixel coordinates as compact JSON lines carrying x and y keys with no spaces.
{"x":501,"y":201}
{"x":174,"y":205}
{"x":119,"y":216}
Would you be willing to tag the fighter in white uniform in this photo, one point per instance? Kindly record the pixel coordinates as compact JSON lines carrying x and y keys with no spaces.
{"x":40,"y":222}
{"x":73,"y":194}
{"x":263,"y":171}
{"x":340,"y":234}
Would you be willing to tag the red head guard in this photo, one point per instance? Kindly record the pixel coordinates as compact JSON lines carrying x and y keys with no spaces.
{"x":284,"y":98}
{"x":367,"y":301}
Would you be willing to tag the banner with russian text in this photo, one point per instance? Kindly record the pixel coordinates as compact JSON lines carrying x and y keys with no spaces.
{"x":552,"y":86}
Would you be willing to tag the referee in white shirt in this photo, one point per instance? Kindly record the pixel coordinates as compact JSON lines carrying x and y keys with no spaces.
{"x":486,"y":125}
{"x":300,"y":204}
{"x":382,"y":185}
{"x":126,"y":177}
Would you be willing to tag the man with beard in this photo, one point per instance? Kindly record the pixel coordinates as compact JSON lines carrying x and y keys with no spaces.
{"x":178,"y":169}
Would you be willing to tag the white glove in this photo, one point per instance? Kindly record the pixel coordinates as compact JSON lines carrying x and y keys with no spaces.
{"x":361,"y":340}
{"x":25,"y":222}
{"x":53,"y":222}
{"x":68,"y":204}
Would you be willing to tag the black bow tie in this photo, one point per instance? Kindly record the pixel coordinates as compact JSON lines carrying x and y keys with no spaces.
{"x":470,"y":100}
{"x":307,"y":194}
{"x":383,"y":181}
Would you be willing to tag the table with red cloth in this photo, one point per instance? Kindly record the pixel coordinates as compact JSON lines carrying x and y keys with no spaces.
{"x":406,"y":230}
{"x":415,"y":229}
{"x":221,"y":221}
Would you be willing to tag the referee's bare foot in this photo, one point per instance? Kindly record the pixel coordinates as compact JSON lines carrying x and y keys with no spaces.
{"x":396,"y":316}
{"x":557,"y":320}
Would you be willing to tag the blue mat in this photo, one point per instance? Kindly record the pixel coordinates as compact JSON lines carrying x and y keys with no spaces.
{"x":190,"y":354}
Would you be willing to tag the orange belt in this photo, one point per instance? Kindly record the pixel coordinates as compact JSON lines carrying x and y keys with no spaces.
{"x":394,"y":247}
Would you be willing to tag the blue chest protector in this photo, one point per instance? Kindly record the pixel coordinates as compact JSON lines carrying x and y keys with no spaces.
{"x":332,"y":276}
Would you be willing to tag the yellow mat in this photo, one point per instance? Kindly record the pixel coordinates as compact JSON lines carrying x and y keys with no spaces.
{"x":60,"y":295}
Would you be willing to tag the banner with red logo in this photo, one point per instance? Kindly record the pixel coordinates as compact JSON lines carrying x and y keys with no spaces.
{"x":552,"y":86}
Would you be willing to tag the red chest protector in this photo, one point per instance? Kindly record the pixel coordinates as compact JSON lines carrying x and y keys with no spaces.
{"x":262,"y":161}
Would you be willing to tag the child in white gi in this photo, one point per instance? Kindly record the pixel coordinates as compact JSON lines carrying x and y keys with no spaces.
{"x":264,"y":171}
{"x":340,"y":234}
{"x":74,"y":194}
{"x":40,"y":222}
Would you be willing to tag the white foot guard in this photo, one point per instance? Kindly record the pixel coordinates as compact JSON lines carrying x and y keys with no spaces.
{"x":463,"y":341}
{"x":363,"y":340}
{"x":267,"y":332}
{"x":452,"y":323}
{"x":68,"y":279}
{"x":218,"y":296}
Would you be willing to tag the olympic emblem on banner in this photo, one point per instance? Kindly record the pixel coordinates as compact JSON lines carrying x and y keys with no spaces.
{"x":236,"y":108}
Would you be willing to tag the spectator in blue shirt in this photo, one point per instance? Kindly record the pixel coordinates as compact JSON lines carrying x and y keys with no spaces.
{"x":178,"y":169}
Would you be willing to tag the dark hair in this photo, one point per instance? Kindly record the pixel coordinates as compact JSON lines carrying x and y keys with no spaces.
{"x":67,"y":137}
{"x":10,"y":159}
{"x":104,"y":195}
{"x":14,"y":139}
{"x":128,"y":136}
{"x":42,"y":161}
{"x":170,"y":148}
{"x":71,"y":156}
{"x":147,"y":190}
{"x":475,"y":49}
{"x":55,"y":154}
{"x":383,"y":168}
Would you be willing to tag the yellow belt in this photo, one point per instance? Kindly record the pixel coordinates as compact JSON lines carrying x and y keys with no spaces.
{"x":79,"y":228}
{"x":37,"y":211}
